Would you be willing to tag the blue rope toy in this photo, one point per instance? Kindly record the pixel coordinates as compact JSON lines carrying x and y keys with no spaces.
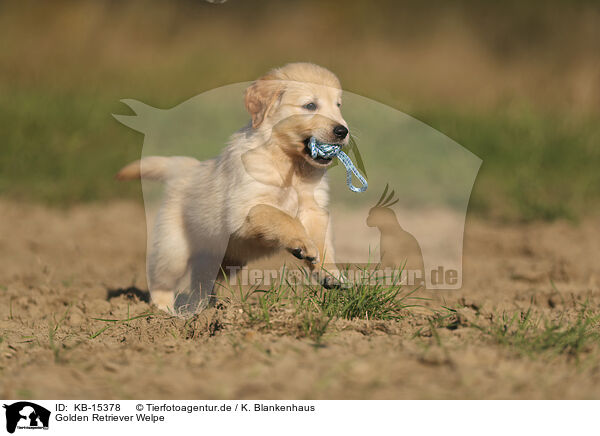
{"x":329,"y":151}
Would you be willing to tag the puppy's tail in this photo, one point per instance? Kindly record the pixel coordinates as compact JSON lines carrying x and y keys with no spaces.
{"x":157,"y":168}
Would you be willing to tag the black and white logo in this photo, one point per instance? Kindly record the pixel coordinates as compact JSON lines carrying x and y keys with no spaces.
{"x":26,"y":415}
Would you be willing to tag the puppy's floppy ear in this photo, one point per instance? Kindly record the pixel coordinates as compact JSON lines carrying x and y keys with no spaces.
{"x":260,"y":98}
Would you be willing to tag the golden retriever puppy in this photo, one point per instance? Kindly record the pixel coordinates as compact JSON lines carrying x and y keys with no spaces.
{"x":263,"y":193}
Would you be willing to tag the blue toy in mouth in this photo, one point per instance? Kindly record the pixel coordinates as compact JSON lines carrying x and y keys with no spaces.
{"x":329,"y":151}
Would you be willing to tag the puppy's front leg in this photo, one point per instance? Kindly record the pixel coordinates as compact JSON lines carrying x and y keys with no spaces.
{"x":280,"y":229}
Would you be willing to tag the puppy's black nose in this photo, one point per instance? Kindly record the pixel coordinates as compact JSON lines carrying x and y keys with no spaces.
{"x":340,"y":131}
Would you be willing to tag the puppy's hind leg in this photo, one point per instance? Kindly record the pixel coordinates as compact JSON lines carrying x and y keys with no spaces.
{"x":168,"y":258}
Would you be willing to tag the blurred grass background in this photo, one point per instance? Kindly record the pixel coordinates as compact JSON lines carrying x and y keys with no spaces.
{"x":517,"y":83}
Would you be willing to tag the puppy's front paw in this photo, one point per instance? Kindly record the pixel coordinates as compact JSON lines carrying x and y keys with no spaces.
{"x":304,"y":249}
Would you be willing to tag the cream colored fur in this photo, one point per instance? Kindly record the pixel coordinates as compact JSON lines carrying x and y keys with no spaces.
{"x":263,"y":193}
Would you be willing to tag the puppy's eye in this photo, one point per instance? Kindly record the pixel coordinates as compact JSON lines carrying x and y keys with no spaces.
{"x":310,"y":106}
{"x":339,"y":105}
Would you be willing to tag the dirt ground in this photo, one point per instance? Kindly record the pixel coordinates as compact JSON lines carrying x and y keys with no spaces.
{"x":61,"y":269}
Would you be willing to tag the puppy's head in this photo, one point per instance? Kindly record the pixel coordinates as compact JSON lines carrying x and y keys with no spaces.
{"x":308,"y":95}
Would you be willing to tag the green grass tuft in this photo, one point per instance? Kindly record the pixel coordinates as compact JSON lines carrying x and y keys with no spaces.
{"x":112,"y":322}
{"x":315,"y":306}
{"x":532,"y":335}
